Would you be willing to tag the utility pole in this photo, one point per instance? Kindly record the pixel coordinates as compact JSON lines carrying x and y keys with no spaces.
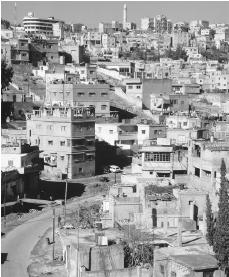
{"x":53,"y":236}
{"x":5,"y":200}
{"x":77,"y":252}
{"x":66,"y":191}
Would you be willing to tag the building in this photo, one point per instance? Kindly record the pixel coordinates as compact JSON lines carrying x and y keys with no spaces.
{"x":183,"y":261}
{"x":66,"y":136}
{"x":121,"y":135}
{"x":76,"y":51}
{"x":35,"y":25}
{"x":134,"y":88}
{"x":42,"y":50}
{"x":146,"y":23}
{"x":147,"y":131}
{"x":22,"y":160}
{"x":20,"y":51}
{"x":180,"y":38}
{"x":63,"y":89}
{"x":58,"y":30}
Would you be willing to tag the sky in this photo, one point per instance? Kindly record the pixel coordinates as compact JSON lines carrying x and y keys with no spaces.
{"x":91,"y":13}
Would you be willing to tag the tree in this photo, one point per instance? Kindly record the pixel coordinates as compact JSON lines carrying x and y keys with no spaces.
{"x":210,"y":221}
{"x":221,"y":235}
{"x":5,"y":24}
{"x":6,"y":75}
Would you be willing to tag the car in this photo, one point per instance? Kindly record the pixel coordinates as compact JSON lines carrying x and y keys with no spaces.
{"x":68,"y":226}
{"x":115,"y":169}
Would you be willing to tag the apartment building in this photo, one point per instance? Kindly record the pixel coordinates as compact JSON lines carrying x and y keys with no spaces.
{"x":205,"y":157}
{"x":121,"y":135}
{"x":35,"y":25}
{"x":22,"y":162}
{"x":66,"y":136}
{"x":64,"y":89}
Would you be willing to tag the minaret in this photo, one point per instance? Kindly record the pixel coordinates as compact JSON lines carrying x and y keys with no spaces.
{"x":124,"y":16}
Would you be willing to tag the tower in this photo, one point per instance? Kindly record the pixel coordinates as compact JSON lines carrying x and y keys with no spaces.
{"x":124,"y":16}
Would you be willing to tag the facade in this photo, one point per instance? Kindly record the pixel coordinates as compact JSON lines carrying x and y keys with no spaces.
{"x":63,"y":89}
{"x":35,"y":25}
{"x":66,"y":137}
{"x":43,"y":50}
{"x":134,"y":88}
{"x":23,"y":161}
{"x":20,"y":51}
{"x":58,"y":30}
{"x":149,"y":131}
{"x":117,"y":134}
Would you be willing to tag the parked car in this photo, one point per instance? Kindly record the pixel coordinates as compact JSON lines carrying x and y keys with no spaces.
{"x":115,"y":169}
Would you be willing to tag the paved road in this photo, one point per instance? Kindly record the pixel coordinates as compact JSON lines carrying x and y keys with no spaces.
{"x":19,"y":242}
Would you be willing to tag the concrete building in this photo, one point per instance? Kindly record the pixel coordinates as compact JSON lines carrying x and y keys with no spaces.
{"x":205,"y":157}
{"x":58,"y":30}
{"x":64,"y":89}
{"x":43,"y":50}
{"x":182,"y":122}
{"x":146,"y":23}
{"x":183,"y":261}
{"x":123,"y":136}
{"x":20,"y":51}
{"x":22,"y":160}
{"x":76,"y":51}
{"x":180,"y":38}
{"x":35,"y":25}
{"x":147,"y":131}
{"x":134,"y":88}
{"x":66,"y":137}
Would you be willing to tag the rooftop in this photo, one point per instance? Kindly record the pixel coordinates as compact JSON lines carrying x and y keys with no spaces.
{"x":196,"y":262}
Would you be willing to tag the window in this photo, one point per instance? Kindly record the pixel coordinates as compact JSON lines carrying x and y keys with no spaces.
{"x":155,"y":132}
{"x":23,"y":54}
{"x":104,"y":94}
{"x":92,"y":93}
{"x":197,"y":172}
{"x":173,"y":274}
{"x":51,"y":57}
{"x":68,"y":142}
{"x":80,"y":169}
{"x":50,"y":127}
{"x":185,"y":123}
{"x":50,"y":142}
{"x":130,"y":87}
{"x":62,"y":143}
{"x":63,"y":128}
{"x":10,"y":163}
{"x":103,"y":107}
{"x":157,"y":157}
{"x":111,"y":131}
{"x":143,"y":131}
{"x":80,"y":93}
{"x":138,"y":87}
{"x":62,"y":158}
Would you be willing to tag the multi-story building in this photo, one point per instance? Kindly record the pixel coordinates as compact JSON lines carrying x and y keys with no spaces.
{"x":43,"y":50}
{"x":205,"y":157}
{"x":146,"y":23}
{"x":58,"y":30}
{"x":117,"y":134}
{"x":20,"y":51}
{"x":66,"y":136}
{"x":35,"y":25}
{"x":180,"y":38}
{"x":63,"y":89}
{"x":24,"y":161}
{"x":134,"y":88}
{"x":147,"y":131}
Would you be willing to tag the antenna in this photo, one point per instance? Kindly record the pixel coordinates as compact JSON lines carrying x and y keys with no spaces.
{"x":15,"y":18}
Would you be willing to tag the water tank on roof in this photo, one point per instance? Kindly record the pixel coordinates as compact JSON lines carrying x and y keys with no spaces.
{"x":31,"y":14}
